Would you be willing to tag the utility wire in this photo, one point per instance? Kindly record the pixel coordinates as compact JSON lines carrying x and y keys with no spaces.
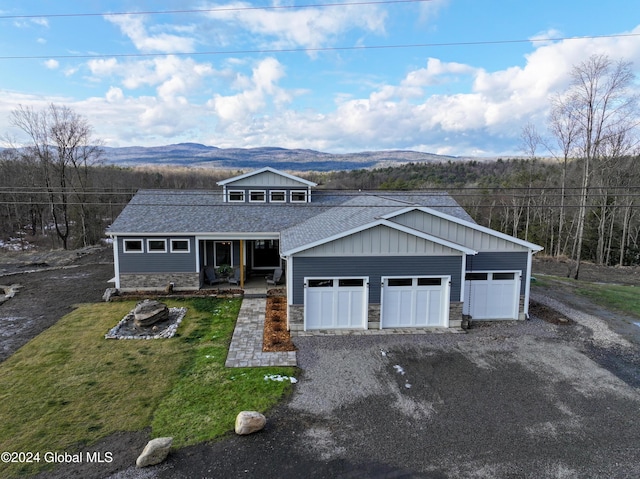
{"x":316,"y":49}
{"x":213,"y":10}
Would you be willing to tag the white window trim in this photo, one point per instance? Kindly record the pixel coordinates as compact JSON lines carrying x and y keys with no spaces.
{"x":149,"y":250}
{"x":284,"y":196}
{"x":127,"y":240}
{"x":188,"y":250}
{"x":264,"y":196}
{"x":292,"y":192}
{"x":230,"y":192}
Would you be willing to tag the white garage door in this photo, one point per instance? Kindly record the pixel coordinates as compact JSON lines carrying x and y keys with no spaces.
{"x":335,"y":303}
{"x":492,"y":295}
{"x":414,"y":302}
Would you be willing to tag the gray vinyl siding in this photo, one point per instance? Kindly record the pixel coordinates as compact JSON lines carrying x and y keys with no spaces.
{"x":500,"y":262}
{"x":266,"y":179}
{"x":157,"y":262}
{"x":375,"y":267}
{"x":457,"y":233}
{"x":380,"y":240}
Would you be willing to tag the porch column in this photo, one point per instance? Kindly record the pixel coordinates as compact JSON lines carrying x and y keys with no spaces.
{"x":241,"y":264}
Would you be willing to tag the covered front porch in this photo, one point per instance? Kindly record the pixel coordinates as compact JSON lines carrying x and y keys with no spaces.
{"x":242,"y":262}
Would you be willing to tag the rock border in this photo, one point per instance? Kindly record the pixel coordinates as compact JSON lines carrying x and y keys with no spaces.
{"x":169,"y":332}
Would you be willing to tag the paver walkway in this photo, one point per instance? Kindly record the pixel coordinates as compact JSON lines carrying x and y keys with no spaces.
{"x":246,"y":344}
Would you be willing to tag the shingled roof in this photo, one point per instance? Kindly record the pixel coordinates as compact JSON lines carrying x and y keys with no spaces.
{"x":204,"y":212}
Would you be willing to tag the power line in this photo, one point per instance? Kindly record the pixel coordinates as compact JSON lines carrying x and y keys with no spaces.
{"x":317,"y":49}
{"x":213,"y":10}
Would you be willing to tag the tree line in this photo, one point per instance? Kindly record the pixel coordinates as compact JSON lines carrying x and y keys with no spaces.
{"x":574,"y":192}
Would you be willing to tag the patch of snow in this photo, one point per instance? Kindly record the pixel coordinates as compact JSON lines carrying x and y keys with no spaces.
{"x":279,"y":378}
{"x":16,"y":244}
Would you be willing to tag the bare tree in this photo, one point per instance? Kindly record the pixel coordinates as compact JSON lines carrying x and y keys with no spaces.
{"x":598,"y":103}
{"x":531,"y":140}
{"x":563,"y":127}
{"x":61,"y":141}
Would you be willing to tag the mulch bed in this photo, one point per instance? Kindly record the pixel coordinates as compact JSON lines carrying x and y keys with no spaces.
{"x":547,"y":314}
{"x":276,"y":337}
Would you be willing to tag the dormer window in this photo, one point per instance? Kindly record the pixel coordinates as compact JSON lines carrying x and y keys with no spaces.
{"x":257,"y":196}
{"x":236,"y":196}
{"x":277,"y":196}
{"x":298,"y":196}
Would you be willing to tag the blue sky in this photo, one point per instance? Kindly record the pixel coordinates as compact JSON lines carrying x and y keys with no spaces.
{"x":228,"y":77}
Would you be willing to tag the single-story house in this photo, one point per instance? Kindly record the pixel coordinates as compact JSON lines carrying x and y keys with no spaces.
{"x":351,"y":259}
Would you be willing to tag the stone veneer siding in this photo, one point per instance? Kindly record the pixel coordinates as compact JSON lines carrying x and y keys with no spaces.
{"x":296,"y":316}
{"x":159,"y":281}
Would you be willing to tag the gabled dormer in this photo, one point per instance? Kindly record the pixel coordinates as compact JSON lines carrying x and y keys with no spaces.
{"x":266,"y":185}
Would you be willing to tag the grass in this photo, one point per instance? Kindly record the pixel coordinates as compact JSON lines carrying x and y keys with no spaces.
{"x":623,"y":298}
{"x":69,"y":387}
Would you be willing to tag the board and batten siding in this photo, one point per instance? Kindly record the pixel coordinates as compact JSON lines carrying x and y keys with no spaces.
{"x":157,"y":262}
{"x":374,"y":267}
{"x":500,"y":261}
{"x":266,"y":179}
{"x":379,"y":240}
{"x":454,"y":232}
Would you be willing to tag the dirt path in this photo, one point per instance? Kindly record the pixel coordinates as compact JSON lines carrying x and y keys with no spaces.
{"x":50,"y":285}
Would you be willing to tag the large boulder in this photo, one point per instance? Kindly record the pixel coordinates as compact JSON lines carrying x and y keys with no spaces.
{"x":154,"y":452}
{"x":149,"y":312}
{"x":248,"y":422}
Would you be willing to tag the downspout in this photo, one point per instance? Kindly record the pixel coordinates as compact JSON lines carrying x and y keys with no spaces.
{"x":527,"y":285}
{"x":289,"y":283}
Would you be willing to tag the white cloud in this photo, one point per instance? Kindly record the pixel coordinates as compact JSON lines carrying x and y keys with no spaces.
{"x":52,"y":64}
{"x":21,"y":23}
{"x":114,"y":95}
{"x":257,"y":92}
{"x":133,"y":27}
{"x":305,"y":27}
{"x":103,"y":67}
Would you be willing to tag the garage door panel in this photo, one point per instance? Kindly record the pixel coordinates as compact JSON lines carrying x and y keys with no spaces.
{"x":429,"y":306}
{"x":492,"y":295}
{"x":321,"y":302}
{"x":414,"y":302}
{"x":350,"y":309}
{"x":332,"y":303}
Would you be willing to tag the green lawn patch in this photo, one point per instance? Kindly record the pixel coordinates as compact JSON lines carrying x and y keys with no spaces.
{"x":69,"y":387}
{"x":625,"y":299}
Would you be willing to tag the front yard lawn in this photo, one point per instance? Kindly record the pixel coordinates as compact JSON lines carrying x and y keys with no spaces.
{"x":69,"y":387}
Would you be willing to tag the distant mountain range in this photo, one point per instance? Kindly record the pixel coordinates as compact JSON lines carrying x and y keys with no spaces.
{"x":197,"y":155}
